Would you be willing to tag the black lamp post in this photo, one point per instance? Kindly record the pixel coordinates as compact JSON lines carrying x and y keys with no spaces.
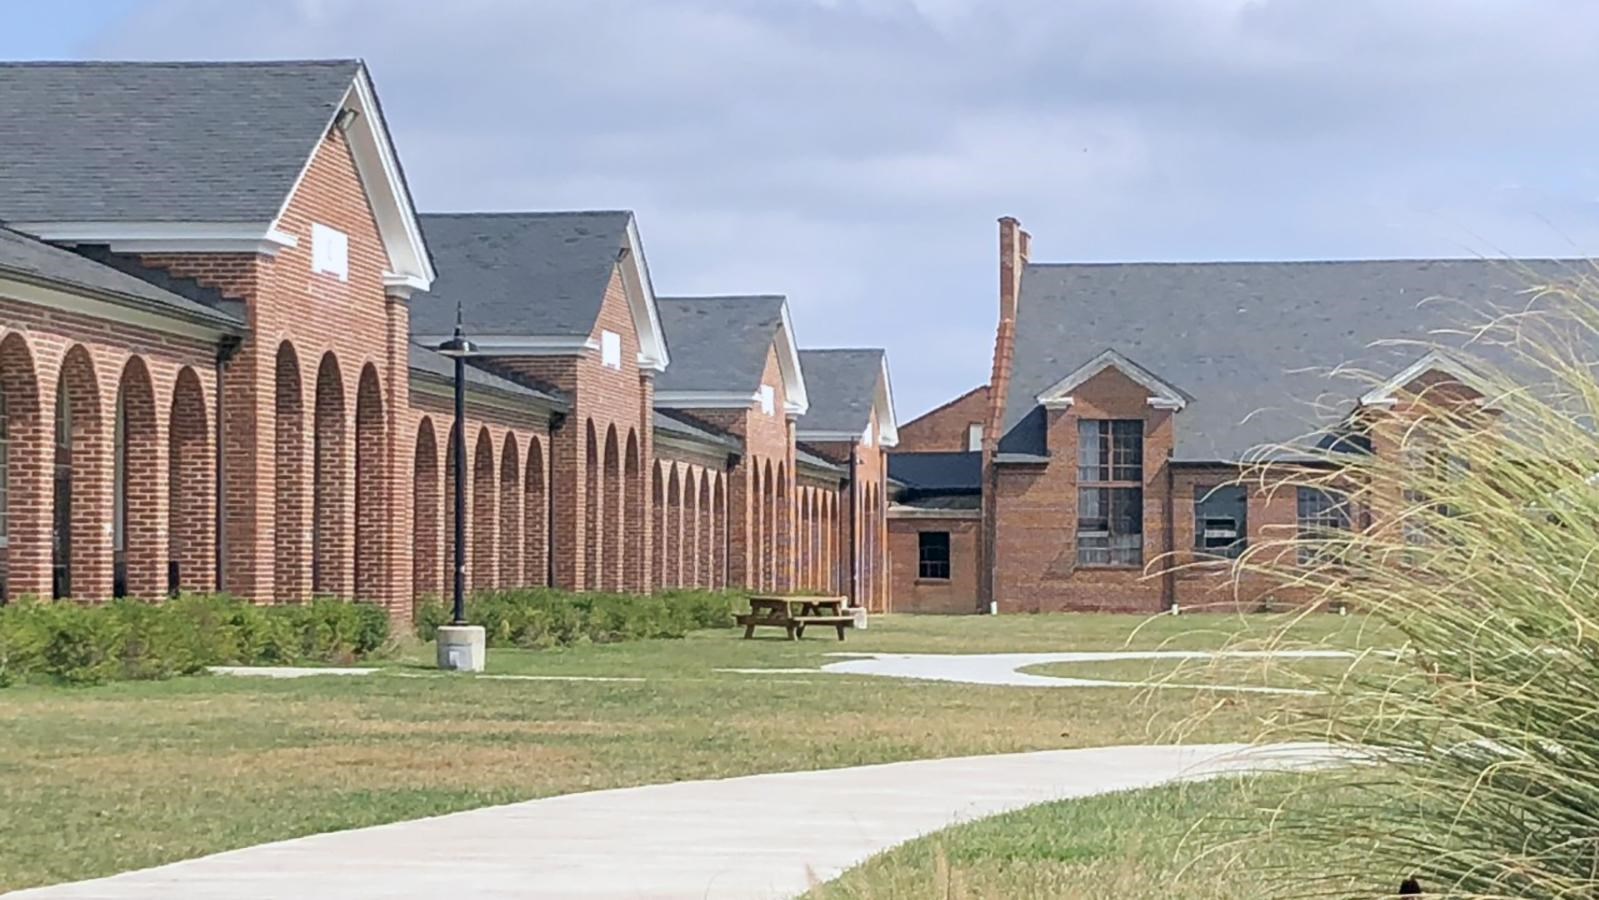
{"x":458,"y":347}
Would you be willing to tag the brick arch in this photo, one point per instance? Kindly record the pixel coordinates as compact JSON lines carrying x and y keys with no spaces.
{"x":291,"y":559}
{"x":510,"y":512}
{"x":612,"y":505}
{"x":658,"y":504}
{"x":590,"y":526}
{"x":783,"y":534}
{"x":719,"y":535}
{"x":703,"y":546}
{"x":329,"y":483}
{"x":674,"y":529}
{"x":138,"y":557}
{"x":449,"y":560}
{"x":757,"y":537}
{"x":191,"y":528}
{"x":371,"y":488}
{"x":633,"y":565}
{"x":427,"y":542}
{"x":82,"y":548}
{"x":484,"y":523}
{"x":535,"y":517}
{"x":25,"y":498}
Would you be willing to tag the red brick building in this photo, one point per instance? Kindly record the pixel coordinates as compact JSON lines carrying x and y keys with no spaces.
{"x":1123,"y":401}
{"x":216,"y":308}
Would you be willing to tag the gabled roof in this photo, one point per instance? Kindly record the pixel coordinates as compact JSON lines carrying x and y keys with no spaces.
{"x":846,"y":384}
{"x":28,"y":259}
{"x":533,"y":282}
{"x":1254,"y":344}
{"x":720,"y":345}
{"x":1162,"y":394}
{"x":191,"y":156}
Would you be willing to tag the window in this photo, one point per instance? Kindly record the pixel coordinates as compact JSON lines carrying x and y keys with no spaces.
{"x":974,"y":436}
{"x":610,"y":350}
{"x":1110,"y":492}
{"x":1221,"y":526}
{"x":933,"y":555}
{"x":768,"y":399}
{"x":1321,"y":515}
{"x":330,"y":251}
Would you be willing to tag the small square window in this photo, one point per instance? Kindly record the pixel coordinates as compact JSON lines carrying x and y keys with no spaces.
{"x":933,"y":555}
{"x":768,"y":399}
{"x":330,"y":251}
{"x":974,"y":436}
{"x":610,"y":350}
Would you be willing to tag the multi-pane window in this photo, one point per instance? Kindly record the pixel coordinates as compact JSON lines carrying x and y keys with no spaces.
{"x":1322,"y":515}
{"x":933,"y":555}
{"x":1110,"y":492}
{"x":1221,"y":526}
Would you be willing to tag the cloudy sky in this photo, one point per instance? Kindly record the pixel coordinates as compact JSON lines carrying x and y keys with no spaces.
{"x":854,"y":154}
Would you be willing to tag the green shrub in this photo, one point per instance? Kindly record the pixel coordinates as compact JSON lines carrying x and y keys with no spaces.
{"x":129,"y":639}
{"x":538,"y":618}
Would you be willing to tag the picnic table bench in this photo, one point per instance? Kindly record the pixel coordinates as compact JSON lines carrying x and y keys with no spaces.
{"x":792,"y":614}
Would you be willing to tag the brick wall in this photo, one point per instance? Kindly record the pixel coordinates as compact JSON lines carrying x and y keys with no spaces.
{"x":914,"y":594}
{"x":945,"y":428}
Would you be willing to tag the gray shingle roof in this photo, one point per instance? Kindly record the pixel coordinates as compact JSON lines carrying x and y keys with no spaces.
{"x":679,"y":425}
{"x":718,"y":343}
{"x":431,"y":362}
{"x":158,"y":141}
{"x":842,"y":385}
{"x":937,"y":471}
{"x":35,"y":260}
{"x":814,"y":460}
{"x":1253,"y":343}
{"x":519,"y":274}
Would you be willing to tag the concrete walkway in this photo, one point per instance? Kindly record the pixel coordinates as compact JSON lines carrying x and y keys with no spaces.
{"x":762,"y":836}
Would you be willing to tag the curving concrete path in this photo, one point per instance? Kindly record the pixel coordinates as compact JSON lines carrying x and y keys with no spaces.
{"x":761,"y":836}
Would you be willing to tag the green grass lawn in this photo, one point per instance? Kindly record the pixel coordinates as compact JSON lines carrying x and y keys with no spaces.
{"x":1130,"y":844}
{"x":103,"y":779}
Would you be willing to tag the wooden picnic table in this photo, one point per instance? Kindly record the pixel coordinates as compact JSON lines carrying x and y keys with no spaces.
{"x":793,"y":613}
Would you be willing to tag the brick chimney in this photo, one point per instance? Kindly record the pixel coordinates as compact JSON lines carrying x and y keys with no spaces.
{"x":1014,"y":244}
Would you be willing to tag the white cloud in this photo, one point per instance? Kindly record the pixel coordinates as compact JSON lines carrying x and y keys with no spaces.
{"x":855,"y":153}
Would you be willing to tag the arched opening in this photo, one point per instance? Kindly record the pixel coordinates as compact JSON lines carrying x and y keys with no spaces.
{"x":769,"y":530}
{"x":484,"y":522}
{"x":289,"y":569}
{"x":81,"y":546}
{"x":191,"y":529}
{"x":137,"y":555}
{"x":612,"y":506}
{"x":783,"y":550}
{"x":635,"y":545}
{"x":371,"y":481}
{"x":449,"y":560}
{"x":703,"y":547}
{"x":591,"y":509}
{"x":691,"y":527}
{"x":757,"y":539}
{"x":536,"y":517}
{"x":329,"y":484}
{"x":427,"y":565}
{"x":510,"y":513}
{"x":674,"y":530}
{"x":658,"y":505}
{"x":24,"y":565}
{"x":719,"y":535}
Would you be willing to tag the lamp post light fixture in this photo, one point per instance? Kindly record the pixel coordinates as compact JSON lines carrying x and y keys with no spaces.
{"x":461,"y":647}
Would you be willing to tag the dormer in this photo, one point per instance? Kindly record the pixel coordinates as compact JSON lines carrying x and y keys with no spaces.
{"x":1159,"y":394}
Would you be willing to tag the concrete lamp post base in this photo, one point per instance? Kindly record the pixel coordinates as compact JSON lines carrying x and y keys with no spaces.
{"x":462,"y":648}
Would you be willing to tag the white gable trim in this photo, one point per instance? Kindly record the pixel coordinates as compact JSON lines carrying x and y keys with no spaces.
{"x":887,"y":422}
{"x":1386,"y":394}
{"x":795,"y":399}
{"x":378,"y":167}
{"x":1161,"y":394}
{"x":652,"y":353}
{"x":705,"y":399}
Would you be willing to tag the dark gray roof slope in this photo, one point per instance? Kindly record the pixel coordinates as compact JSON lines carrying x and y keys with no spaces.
{"x":158,"y":141}
{"x":430,"y":362}
{"x":842,"y":386}
{"x":817,"y":461}
{"x":1253,"y":343}
{"x":697,"y":431}
{"x":937,"y":471}
{"x":519,"y":274}
{"x":717,"y":343}
{"x":32,"y":259}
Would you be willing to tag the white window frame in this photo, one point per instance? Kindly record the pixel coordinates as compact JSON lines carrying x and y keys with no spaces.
{"x":610,"y":350}
{"x":768,"y":399}
{"x":330,"y":251}
{"x":974,"y":436}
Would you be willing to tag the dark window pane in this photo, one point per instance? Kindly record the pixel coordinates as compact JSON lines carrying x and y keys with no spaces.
{"x":933,"y":552}
{"x":1322,"y":514}
{"x":1092,"y":464}
{"x":1110,"y":525}
{"x":1221,"y":516}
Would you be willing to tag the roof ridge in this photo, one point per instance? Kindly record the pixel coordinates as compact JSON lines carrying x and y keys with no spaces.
{"x":530,"y":213}
{"x":685,"y":297}
{"x":178,"y":63}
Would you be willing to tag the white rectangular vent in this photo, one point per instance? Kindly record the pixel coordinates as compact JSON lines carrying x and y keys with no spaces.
{"x":768,"y":399}
{"x":330,"y":251}
{"x":610,"y":350}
